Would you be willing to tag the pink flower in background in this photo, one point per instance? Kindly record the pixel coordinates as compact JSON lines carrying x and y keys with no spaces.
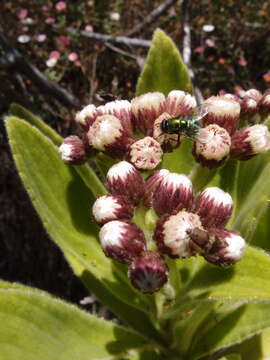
{"x":242,"y":61}
{"x":55,"y":54}
{"x":199,"y":49}
{"x":266,"y":76}
{"x":41,"y":37}
{"x":210,"y":42}
{"x":60,"y":6}
{"x":64,"y":40}
{"x":22,"y":14}
{"x":222,"y":92}
{"x":50,"y":20}
{"x":89,"y":28}
{"x":230,"y":69}
{"x":221,"y":61}
{"x":77,"y":63}
{"x":44,"y":8}
{"x":73,"y":57}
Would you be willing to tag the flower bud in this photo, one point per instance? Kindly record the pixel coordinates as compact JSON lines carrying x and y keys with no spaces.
{"x":222,"y":111}
{"x":122,"y":240}
{"x":123,"y":179}
{"x":214,"y":206}
{"x":167,"y":141}
{"x":250,"y":141}
{"x":120,"y":109}
{"x":249,"y":105}
{"x":107,"y":134}
{"x":148,"y":272}
{"x":86,"y":116}
{"x":174,"y":193}
{"x":254,"y":94}
{"x":227,"y":247}
{"x":180,"y":103}
{"x":111,"y":207}
{"x":151,"y":184}
{"x":212,"y":146}
{"x":172,"y":234}
{"x":72,"y":150}
{"x":264,"y":103}
{"x":146,"y":108}
{"x":145,"y":154}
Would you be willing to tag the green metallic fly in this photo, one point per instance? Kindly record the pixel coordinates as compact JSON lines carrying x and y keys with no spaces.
{"x":184,"y":126}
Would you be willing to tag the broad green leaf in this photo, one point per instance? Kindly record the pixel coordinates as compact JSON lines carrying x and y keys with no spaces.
{"x":63,"y":203}
{"x":164,"y":69}
{"x":85,"y":171}
{"x":246,"y":321}
{"x":249,"y":279}
{"x":254,"y":205}
{"x":35,"y":325}
{"x":181,"y":159}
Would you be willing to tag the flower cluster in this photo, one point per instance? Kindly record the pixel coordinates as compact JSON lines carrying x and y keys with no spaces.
{"x":134,"y":131}
{"x":184,"y":225}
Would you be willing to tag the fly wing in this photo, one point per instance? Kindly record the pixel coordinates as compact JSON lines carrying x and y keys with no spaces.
{"x":200,"y":112}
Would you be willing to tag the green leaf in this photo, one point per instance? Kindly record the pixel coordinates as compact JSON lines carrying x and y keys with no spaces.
{"x":246,"y":321}
{"x":63,"y":203}
{"x":249,"y":279}
{"x":38,"y":326}
{"x":85,"y":171}
{"x":164,"y":69}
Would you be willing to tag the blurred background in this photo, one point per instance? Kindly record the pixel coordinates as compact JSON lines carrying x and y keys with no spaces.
{"x":57,"y":56}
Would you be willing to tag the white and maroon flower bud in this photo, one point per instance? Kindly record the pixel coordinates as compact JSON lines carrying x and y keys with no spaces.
{"x":122,"y":240}
{"x":180,"y":103}
{"x":214,"y":206}
{"x":249,"y":105}
{"x":146,"y":108}
{"x":145,"y":153}
{"x":151,"y":184}
{"x":253,"y":94}
{"x":86,"y":116}
{"x":212,"y":146}
{"x":108,"y":135}
{"x":227,"y":247}
{"x":172,"y":234}
{"x":264,"y":103}
{"x":123,"y":179}
{"x":222,"y":111}
{"x":174,"y":193}
{"x":120,"y":109}
{"x":231,"y":97}
{"x":72,"y":150}
{"x":167,"y":141}
{"x":148,"y":272}
{"x":250,"y":141}
{"x":111,"y":207}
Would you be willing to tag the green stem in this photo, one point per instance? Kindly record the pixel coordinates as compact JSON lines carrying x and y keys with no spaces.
{"x":174,"y":275}
{"x":201,"y":176}
{"x":91,"y":180}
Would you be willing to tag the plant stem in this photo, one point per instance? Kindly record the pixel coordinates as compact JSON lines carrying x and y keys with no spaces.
{"x":201,"y":176}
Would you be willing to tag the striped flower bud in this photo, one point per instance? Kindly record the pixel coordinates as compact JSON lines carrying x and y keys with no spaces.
{"x":250,"y":141}
{"x":122,"y":240}
{"x":249,"y":105}
{"x":212,"y":146}
{"x":120,"y":109}
{"x":72,"y":150}
{"x":264,"y":103}
{"x":223,"y":112}
{"x":145,"y":153}
{"x":148,"y":272}
{"x":108,"y":135}
{"x":172,"y":234}
{"x":180,"y":103}
{"x":151,"y":184}
{"x":146,"y":108}
{"x":167,"y":141}
{"x":123,"y":179}
{"x":174,"y":193}
{"x":254,"y":94}
{"x":214,"y":206}
{"x":86,"y":116}
{"x":111,"y":207}
{"x":227,"y":247}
